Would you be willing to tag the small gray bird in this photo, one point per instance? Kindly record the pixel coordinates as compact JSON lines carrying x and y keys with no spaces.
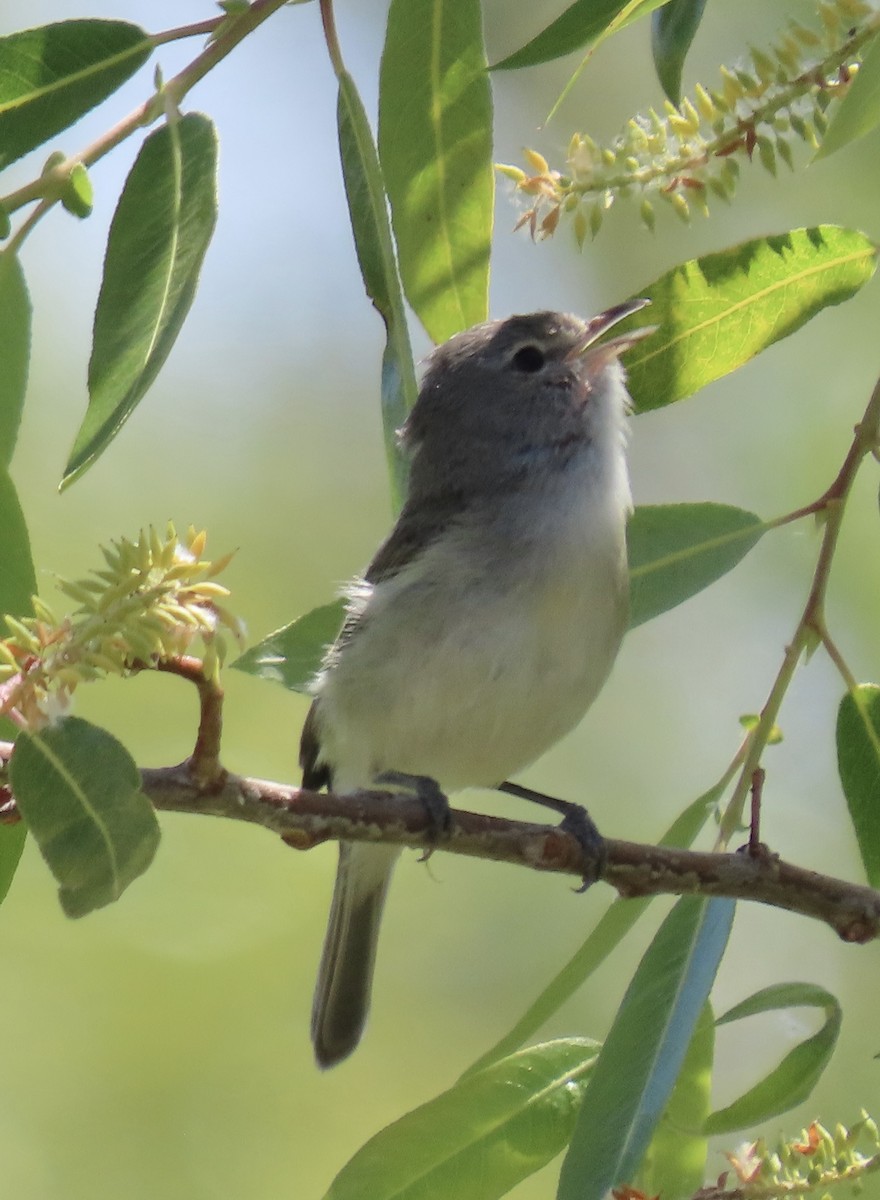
{"x":489,"y":619}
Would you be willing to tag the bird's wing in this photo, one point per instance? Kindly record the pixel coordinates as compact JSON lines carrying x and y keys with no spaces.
{"x":409,"y":537}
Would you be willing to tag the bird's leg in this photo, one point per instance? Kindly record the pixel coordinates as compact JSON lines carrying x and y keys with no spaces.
{"x":434,"y":802}
{"x":575,"y":820}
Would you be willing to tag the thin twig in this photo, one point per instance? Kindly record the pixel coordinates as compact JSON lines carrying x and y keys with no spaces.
{"x":755,"y":818}
{"x":199,"y":29}
{"x":204,"y":765}
{"x":50,"y":184}
{"x":811,"y":626}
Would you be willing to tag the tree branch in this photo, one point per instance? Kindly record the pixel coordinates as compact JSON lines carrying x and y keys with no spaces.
{"x":811,"y":626}
{"x":305,"y":819}
{"x":48,"y":187}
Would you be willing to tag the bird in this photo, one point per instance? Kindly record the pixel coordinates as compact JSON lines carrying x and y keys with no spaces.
{"x":488,"y":620}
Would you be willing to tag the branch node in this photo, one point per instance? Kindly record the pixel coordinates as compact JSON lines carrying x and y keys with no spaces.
{"x":204,"y":767}
{"x":858,"y":931}
{"x":300,"y":839}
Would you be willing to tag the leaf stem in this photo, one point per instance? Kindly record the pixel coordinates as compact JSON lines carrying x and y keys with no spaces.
{"x":331,"y":37}
{"x":837,"y":658}
{"x":15,"y":242}
{"x":811,"y":626}
{"x":237,"y":29}
{"x":50,"y":184}
{"x":184,"y":31}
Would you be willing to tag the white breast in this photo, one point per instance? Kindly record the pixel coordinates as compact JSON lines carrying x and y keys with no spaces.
{"x":470,"y":665}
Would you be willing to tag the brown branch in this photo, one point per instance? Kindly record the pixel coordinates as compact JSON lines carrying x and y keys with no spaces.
{"x":204,"y":767}
{"x":305,"y":819}
{"x":811,"y":626}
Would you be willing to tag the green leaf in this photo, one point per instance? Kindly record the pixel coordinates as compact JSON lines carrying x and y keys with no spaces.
{"x":367,"y":206}
{"x":673,"y":28}
{"x":291,"y":656}
{"x":583,"y":23}
{"x":676,"y":550}
{"x":78,"y":196}
{"x":611,"y":928}
{"x":859,"y":110}
{"x":717,"y":312}
{"x":15,"y":344}
{"x":480,"y":1138}
{"x":792,"y":1081}
{"x":17,"y":579}
{"x":158,"y":239}
{"x":51,"y":76}
{"x":858,"y":762}
{"x":675,"y":1163}
{"x":17,"y":584}
{"x":12,"y":840}
{"x":79,"y":791}
{"x":435,"y":145}
{"x":645,"y":1048}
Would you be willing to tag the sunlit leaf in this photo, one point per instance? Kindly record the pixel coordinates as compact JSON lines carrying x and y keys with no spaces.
{"x":367,"y":206}
{"x":858,"y":762}
{"x":715,"y":313}
{"x":160,"y":233}
{"x":79,"y":792}
{"x":675,"y":1162}
{"x":52,"y":75}
{"x":676,"y":550}
{"x":859,"y":110}
{"x":291,"y":656}
{"x":576,"y":28}
{"x":480,"y":1138}
{"x":645,"y":1048}
{"x":435,"y":145}
{"x":793,"y":1080}
{"x":673,"y":28}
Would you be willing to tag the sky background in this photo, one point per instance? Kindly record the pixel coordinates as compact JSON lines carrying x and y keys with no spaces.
{"x":161,"y":1046}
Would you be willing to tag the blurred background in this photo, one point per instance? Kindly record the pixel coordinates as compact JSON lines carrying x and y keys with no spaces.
{"x":161,"y":1046}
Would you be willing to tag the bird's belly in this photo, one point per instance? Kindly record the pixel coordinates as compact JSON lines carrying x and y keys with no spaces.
{"x":474,"y":686}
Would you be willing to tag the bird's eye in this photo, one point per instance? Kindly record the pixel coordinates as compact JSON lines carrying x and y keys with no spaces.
{"x":529,"y":359}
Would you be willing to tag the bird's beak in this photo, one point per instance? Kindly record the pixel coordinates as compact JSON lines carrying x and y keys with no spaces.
{"x":599,"y":355}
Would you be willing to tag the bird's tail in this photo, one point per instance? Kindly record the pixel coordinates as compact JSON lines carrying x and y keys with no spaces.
{"x":342,"y":993}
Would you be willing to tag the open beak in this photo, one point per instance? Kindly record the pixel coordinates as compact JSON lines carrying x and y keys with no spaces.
{"x":599,"y":355}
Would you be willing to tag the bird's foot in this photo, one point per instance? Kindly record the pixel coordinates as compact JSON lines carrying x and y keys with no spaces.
{"x":433,"y":800}
{"x":576,"y":821}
